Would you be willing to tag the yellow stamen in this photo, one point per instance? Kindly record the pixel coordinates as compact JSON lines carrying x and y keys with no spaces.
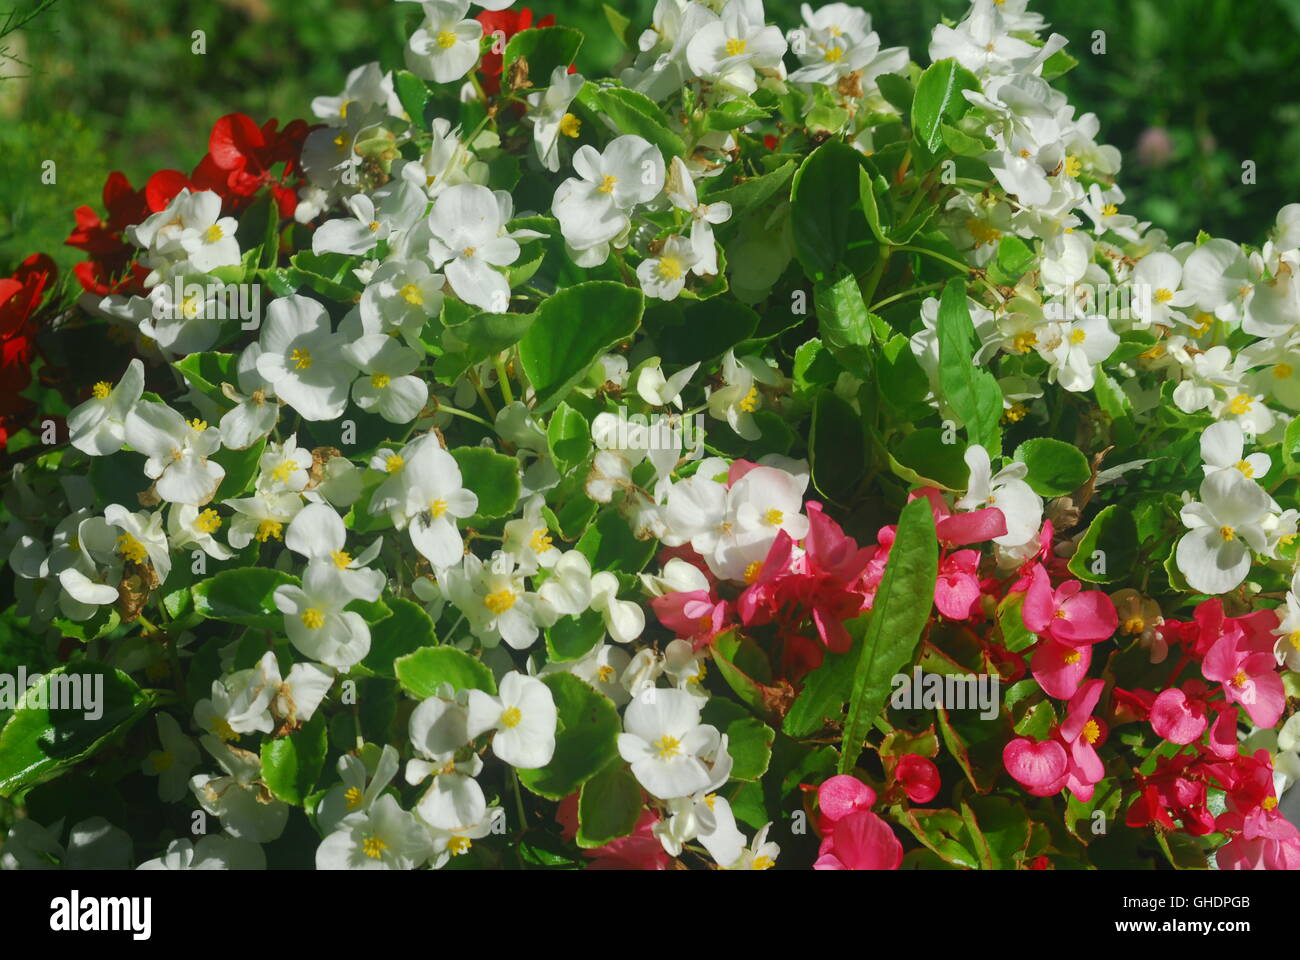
{"x":446,"y":39}
{"x":1164,"y":295}
{"x":763,"y":863}
{"x":1109,"y":210}
{"x":1023,"y":342}
{"x":394,"y":463}
{"x":667,"y":746}
{"x":753,"y":570}
{"x":735,"y":47}
{"x":834,"y":54}
{"x":209,"y":521}
{"x":500,"y":601}
{"x":313,"y":619}
{"x":373,"y":847}
{"x":773,"y":517}
{"x":198,"y":425}
{"x":131,"y":548}
{"x":1283,"y":370}
{"x":570,"y":125}
{"x":1246,"y":469}
{"x":1240,"y":405}
{"x":284,"y":470}
{"x":1228,"y":534}
{"x":379,"y":380}
{"x":510,"y":717}
{"x":540,"y":541}
{"x":101,"y":390}
{"x":353,"y":797}
{"x":1091,"y":731}
{"x":605,"y":673}
{"x":1073,"y":166}
{"x":670,"y":268}
{"x":607,"y":184}
{"x":301,"y":358}
{"x":222,"y":728}
{"x":1078,"y":336}
{"x":269,"y":530}
{"x":342,"y":559}
{"x":1134,"y":625}
{"x":412,"y":295}
{"x":437,"y":508}
{"x":458,"y":845}
{"x":213,"y":233}
{"x":749,"y":403}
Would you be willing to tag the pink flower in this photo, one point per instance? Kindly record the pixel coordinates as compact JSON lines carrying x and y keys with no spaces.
{"x":639,"y":850}
{"x":918,"y":776}
{"x":1180,"y":718}
{"x":1242,"y":661}
{"x":960,"y":529}
{"x":1041,"y":768}
{"x":1059,"y":668}
{"x":853,"y":838}
{"x":957,"y":589}
{"x":696,"y":615}
{"x":1081,"y":732}
{"x":1069,"y":614}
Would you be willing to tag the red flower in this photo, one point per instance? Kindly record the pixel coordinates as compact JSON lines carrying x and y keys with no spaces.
{"x":240,"y":159}
{"x":20,"y":295}
{"x":505,"y":23}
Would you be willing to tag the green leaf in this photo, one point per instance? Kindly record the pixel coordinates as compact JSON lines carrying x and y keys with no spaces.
{"x":701,"y":330}
{"x":925,"y":453}
{"x":734,"y":113}
{"x":1056,"y":468}
{"x":570,"y":330}
{"x":837,"y":446}
{"x":972,"y":392}
{"x":609,"y":806}
{"x":621,"y":26}
{"x":568,"y":437}
{"x":1038,"y":721}
{"x":632,"y":112}
{"x":746,"y":195}
{"x":407,"y":630}
{"x":844,"y":321}
{"x":291,"y":765}
{"x":749,"y":740}
{"x":245,"y":596}
{"x":413,"y":94}
{"x":422,"y":672}
{"x":739,"y":659}
{"x":827,"y":688}
{"x":1290,"y":443}
{"x":240,"y":467}
{"x":38,"y":743}
{"x":586,"y":739}
{"x":897,"y":90}
{"x":493,"y":476}
{"x":1108,"y":549}
{"x":206,"y":372}
{"x":1011,"y":620}
{"x":830,"y":231}
{"x":1013,"y":259}
{"x":898,"y":615}
{"x":938,"y":99}
{"x":572,"y":638}
{"x":610,"y":545}
{"x":544,"y":48}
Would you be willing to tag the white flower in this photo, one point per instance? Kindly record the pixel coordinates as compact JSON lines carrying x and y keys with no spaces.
{"x":739,"y":399}
{"x":359,"y":790}
{"x":624,"y":619}
{"x":302,"y":359}
{"x":400,"y":297}
{"x":1225,"y":526}
{"x":259,"y":696}
{"x":256,"y":410}
{"x":261,"y":517}
{"x":1074,"y":348}
{"x":446,"y":162}
{"x":759,"y":855}
{"x":388,"y":388}
{"x":529,"y":540}
{"x":189,"y":236}
{"x":383,"y":837}
{"x":601,"y":668}
{"x":400,"y":207}
{"x":439,"y":727}
{"x":173,"y":763}
{"x":447,"y":45}
{"x":523,"y":716}
{"x":187,"y":525}
{"x":568,"y":588}
{"x":664,"y":277}
{"x":1157,"y":279}
{"x":213,"y":852}
{"x":315,"y":619}
{"x":177,"y":453}
{"x":1222,"y":448}
{"x":1288,"y":628}
{"x":665,"y":743}
{"x":593,"y":207}
{"x":240,"y":799}
{"x":549,"y":114}
{"x":1006,"y":490}
{"x":681,"y":191}
{"x":424,"y":488}
{"x":98,"y":426}
{"x":729,"y":50}
{"x":468,"y":224}
{"x":660,"y":391}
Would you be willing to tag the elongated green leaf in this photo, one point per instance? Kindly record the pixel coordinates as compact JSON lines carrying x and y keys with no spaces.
{"x":898,"y":615}
{"x":939,"y":98}
{"x":972,"y":392}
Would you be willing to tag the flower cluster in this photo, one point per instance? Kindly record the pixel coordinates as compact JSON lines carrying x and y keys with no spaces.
{"x":537,"y":469}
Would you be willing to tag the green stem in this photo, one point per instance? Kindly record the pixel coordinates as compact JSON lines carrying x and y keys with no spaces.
{"x":503,"y":380}
{"x":457,"y":412}
{"x":906,"y":293}
{"x":519,"y":800}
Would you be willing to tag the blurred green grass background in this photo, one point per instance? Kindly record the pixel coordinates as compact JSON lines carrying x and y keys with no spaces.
{"x":99,"y":85}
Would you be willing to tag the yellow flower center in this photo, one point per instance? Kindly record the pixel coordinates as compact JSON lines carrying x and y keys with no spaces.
{"x":1164,"y":295}
{"x":1240,"y":680}
{"x":1078,"y":336}
{"x":213,"y":233}
{"x":1091,"y":731}
{"x":764,"y":863}
{"x":379,"y":380}
{"x":284,"y":470}
{"x":301,"y":358}
{"x":209,"y":521}
{"x":570,"y":125}
{"x":540,"y":541}
{"x":500,"y":601}
{"x":834,"y":54}
{"x":269,"y":530}
{"x":749,"y":403}
{"x":341,"y":559}
{"x":412,"y":295}
{"x":670,"y":268}
{"x":353,"y":797}
{"x":667,"y":746}
{"x":1074,"y":656}
{"x":1109,"y":210}
{"x":373,"y":847}
{"x":222,"y":729}
{"x":437,"y":508}
{"x":1294,"y":639}
{"x":458,"y":845}
{"x":753,"y":570}
{"x":191,"y":307}
{"x":101,"y":390}
{"x":1022,"y":342}
{"x":605,"y":673}
{"x":1245,"y":468}
{"x":773,"y":517}
{"x":1268,"y":803}
{"x":510,"y":717}
{"x":131,"y":548}
{"x":373,"y":226}
{"x":1015,"y":413}
{"x":446,"y":39}
{"x":1240,"y":405}
{"x":313,"y":619}
{"x":1134,"y":625}
{"x":1228,"y":533}
{"x":982,"y":231}
{"x":735,"y":47}
{"x":607,"y":184}
{"x":1073,"y":167}
{"x":394,"y":463}
{"x":198,"y":425}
